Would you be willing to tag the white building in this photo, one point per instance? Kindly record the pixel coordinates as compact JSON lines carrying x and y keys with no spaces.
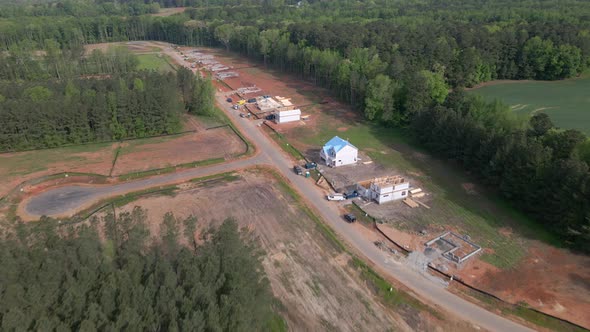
{"x":338,"y":152}
{"x":384,"y":189}
{"x":288,"y":116}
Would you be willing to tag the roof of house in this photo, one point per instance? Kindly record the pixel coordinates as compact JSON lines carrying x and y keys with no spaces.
{"x":337,"y":144}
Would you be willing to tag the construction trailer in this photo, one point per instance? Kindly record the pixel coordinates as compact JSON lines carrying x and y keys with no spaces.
{"x":288,"y":116}
{"x":384,"y":189}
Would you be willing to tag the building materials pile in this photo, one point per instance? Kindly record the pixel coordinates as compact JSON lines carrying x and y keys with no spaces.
{"x":226,"y":74}
{"x":248,"y":90}
{"x":268,"y":104}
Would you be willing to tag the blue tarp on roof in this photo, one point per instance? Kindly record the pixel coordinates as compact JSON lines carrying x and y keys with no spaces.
{"x":337,"y":144}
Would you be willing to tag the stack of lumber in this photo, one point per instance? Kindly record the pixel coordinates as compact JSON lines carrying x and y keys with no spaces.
{"x":409,"y":202}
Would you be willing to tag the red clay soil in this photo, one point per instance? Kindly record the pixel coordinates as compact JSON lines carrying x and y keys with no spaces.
{"x":203,"y":145}
{"x":551,"y":280}
{"x":554,"y":281}
{"x":18,"y":167}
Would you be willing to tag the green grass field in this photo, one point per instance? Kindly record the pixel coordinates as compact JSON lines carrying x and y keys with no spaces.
{"x":566,"y":102}
{"x":481,"y":216}
{"x":153,"y":61}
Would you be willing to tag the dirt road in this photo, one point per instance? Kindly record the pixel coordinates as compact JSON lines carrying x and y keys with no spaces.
{"x":72,"y":198}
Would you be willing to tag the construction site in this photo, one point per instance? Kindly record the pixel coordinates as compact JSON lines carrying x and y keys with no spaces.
{"x":412,"y":219}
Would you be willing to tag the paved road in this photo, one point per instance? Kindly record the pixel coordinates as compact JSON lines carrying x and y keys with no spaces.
{"x":62,"y":199}
{"x":67,"y":200}
{"x":329,"y":212}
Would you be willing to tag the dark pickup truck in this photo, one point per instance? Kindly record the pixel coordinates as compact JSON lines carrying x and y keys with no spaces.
{"x":351,"y":194}
{"x":350,"y":217}
{"x":298,"y":170}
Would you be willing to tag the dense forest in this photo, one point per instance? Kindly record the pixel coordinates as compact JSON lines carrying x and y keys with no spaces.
{"x":73,"y":279}
{"x":55,"y":113}
{"x":403,"y":64}
{"x":64,"y":99}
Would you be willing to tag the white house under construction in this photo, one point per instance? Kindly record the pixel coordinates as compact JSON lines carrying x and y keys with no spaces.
{"x":384,"y":189}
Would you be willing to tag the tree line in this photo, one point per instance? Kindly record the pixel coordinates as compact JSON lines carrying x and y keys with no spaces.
{"x":78,"y":279}
{"x":24,"y":62}
{"x":535,"y":166}
{"x":396,"y":63}
{"x":54,"y":113}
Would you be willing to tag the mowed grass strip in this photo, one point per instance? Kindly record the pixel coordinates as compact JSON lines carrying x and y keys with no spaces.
{"x":567,"y":102}
{"x":153,"y":62}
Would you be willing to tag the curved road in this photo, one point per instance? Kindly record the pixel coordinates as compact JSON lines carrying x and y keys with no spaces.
{"x":58,"y":200}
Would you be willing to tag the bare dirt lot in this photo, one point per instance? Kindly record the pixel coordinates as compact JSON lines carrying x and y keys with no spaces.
{"x":553,"y":280}
{"x":456,"y":203}
{"x":314,"y":280}
{"x":18,"y":167}
{"x":143,"y":155}
{"x":136,"y":47}
{"x":135,"y":155}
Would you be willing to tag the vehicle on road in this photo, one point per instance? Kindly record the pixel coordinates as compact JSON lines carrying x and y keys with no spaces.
{"x":350,"y":217}
{"x":351,"y":194}
{"x":336,"y":197}
{"x":229,"y":100}
{"x":310,"y":165}
{"x":236,"y":107}
{"x":298,"y":170}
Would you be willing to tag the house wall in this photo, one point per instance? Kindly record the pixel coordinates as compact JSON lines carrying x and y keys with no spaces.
{"x":346,"y":156}
{"x":389,"y":193}
{"x":288,"y":118}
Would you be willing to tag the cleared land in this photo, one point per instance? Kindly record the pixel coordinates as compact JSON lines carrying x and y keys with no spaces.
{"x":169,"y":11}
{"x":22,"y":166}
{"x":318,"y":285}
{"x":456,"y":203}
{"x":566,"y":102}
{"x":153,"y":61}
{"x":139,"y":155}
{"x":156,"y":153}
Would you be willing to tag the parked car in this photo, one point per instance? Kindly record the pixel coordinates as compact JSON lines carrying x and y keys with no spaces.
{"x":236,"y":107}
{"x":270,"y":117}
{"x":350,"y":217}
{"x":351,"y":194}
{"x":229,"y":100}
{"x":252,"y":100}
{"x":310,"y":165}
{"x":298,"y":170}
{"x":336,"y":197}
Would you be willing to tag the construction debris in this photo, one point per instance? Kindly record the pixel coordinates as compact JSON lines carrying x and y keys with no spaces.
{"x":415,"y":191}
{"x":226,"y":74}
{"x":248,"y":90}
{"x":424,"y":205}
{"x":409,"y":202}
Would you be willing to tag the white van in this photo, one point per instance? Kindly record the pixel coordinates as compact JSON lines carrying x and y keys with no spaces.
{"x":336,"y":197}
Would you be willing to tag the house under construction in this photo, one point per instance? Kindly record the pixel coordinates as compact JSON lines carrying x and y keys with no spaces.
{"x":384,"y":189}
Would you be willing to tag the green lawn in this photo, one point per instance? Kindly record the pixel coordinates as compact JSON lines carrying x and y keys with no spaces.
{"x":566,"y":102}
{"x":153,"y":61}
{"x":481,"y":216}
